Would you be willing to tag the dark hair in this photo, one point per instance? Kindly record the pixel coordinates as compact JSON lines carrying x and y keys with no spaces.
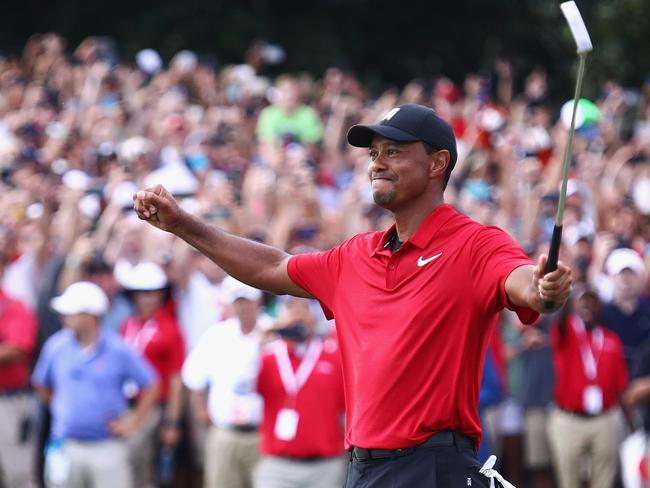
{"x":96,"y":265}
{"x":429,"y":149}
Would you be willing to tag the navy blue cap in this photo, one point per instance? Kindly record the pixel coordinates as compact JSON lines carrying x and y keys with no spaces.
{"x":408,"y":123}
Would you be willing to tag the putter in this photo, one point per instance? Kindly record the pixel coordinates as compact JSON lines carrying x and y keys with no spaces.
{"x":583,"y":43}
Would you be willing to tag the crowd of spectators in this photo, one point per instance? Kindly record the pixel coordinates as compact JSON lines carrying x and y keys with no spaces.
{"x":267,"y":159}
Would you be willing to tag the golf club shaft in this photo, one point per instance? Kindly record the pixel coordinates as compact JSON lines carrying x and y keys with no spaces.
{"x":556,"y":240}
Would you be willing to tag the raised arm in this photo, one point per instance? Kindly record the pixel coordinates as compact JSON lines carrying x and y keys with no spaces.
{"x":259,"y":265}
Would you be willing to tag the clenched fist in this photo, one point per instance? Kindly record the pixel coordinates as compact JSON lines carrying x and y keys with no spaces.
{"x":554,"y":287}
{"x":158,"y":207}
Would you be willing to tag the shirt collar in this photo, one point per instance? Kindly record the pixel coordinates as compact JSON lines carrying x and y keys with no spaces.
{"x":424,"y":234}
{"x":97,"y":348}
{"x":384,"y":242}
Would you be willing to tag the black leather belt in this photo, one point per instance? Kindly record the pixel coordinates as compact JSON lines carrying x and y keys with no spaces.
{"x":12,"y":392}
{"x":440,"y":439}
{"x":245,"y":428}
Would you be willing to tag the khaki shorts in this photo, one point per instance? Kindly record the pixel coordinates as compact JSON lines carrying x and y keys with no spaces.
{"x":537,"y":454}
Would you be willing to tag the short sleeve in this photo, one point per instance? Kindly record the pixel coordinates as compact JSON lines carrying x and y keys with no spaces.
{"x":311,"y":126}
{"x":265,"y":124}
{"x":42,"y":374}
{"x":494,"y":255}
{"x":317,"y":274}
{"x":267,"y":362}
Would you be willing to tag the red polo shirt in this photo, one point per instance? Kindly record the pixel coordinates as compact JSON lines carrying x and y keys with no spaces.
{"x":159,"y":340}
{"x":413,"y":325}
{"x":18,"y":329}
{"x":319,"y":403}
{"x":571,"y":378}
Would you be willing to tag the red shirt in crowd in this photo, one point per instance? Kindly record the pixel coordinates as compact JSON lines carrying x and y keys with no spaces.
{"x":413,"y":325}
{"x":571,"y":377}
{"x":319,"y":403}
{"x":159,"y":340}
{"x":17,"y":329}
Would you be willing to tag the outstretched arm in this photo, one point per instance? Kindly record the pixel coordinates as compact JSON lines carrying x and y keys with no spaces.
{"x":259,"y":265}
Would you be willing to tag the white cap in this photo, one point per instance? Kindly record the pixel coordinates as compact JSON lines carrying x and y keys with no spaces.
{"x":624,"y":258}
{"x":641,"y":195}
{"x":233,"y":290}
{"x":174,"y":175}
{"x":90,"y":205}
{"x":184,"y":61}
{"x":134,"y":147}
{"x":76,"y":180}
{"x":144,"y":276}
{"x":81,"y":297}
{"x":122,"y":195}
{"x":149,"y":61}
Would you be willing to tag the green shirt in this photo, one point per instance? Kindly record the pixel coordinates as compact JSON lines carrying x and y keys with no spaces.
{"x":303,"y":123}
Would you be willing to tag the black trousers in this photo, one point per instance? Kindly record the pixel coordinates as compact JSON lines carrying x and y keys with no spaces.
{"x":449,"y":463}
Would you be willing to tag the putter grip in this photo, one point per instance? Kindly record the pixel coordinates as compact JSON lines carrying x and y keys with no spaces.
{"x":553,"y":254}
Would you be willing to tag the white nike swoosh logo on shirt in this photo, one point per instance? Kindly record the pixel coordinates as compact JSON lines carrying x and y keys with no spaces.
{"x":422,"y":262}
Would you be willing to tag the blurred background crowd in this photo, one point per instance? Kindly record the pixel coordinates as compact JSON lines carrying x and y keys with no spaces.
{"x":189,"y":358}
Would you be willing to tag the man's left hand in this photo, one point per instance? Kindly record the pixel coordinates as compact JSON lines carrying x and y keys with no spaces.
{"x":553,"y":287}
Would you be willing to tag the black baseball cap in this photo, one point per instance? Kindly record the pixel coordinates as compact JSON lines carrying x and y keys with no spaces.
{"x":409,"y":123}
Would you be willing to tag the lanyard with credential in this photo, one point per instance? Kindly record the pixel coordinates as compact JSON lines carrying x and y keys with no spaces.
{"x":294,"y":381}
{"x":141,"y":338}
{"x":589,"y":359}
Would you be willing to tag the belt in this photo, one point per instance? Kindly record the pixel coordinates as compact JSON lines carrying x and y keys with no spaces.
{"x":307,"y":459}
{"x":446,"y":438}
{"x":583,"y":415}
{"x":12,"y":392}
{"x":245,"y":428}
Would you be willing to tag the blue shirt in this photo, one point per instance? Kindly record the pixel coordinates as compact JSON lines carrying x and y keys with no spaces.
{"x":87,"y":385}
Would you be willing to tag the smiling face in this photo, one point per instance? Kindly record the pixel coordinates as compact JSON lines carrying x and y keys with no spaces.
{"x":402,"y":172}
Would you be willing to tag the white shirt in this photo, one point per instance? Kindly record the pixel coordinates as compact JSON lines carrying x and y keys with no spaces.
{"x":200,"y":306}
{"x":21,"y":279}
{"x":227,"y":362}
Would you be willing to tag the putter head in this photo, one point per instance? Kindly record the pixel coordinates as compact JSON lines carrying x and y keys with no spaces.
{"x":577,"y":26}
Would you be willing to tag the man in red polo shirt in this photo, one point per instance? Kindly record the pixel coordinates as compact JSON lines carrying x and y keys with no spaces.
{"x":301,"y":384}
{"x":153,"y":331}
{"x":591,"y":376}
{"x":414,"y":305}
{"x":17,"y":342}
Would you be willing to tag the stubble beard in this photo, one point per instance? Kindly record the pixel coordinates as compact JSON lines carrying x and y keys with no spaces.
{"x":384,"y":199}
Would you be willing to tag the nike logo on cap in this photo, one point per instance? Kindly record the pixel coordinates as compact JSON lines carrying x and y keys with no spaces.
{"x":422,"y":262}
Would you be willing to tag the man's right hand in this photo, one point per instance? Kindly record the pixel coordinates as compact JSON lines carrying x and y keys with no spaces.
{"x":158,"y":207}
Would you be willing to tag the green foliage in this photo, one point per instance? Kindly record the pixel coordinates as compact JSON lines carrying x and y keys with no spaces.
{"x":381,"y":40}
